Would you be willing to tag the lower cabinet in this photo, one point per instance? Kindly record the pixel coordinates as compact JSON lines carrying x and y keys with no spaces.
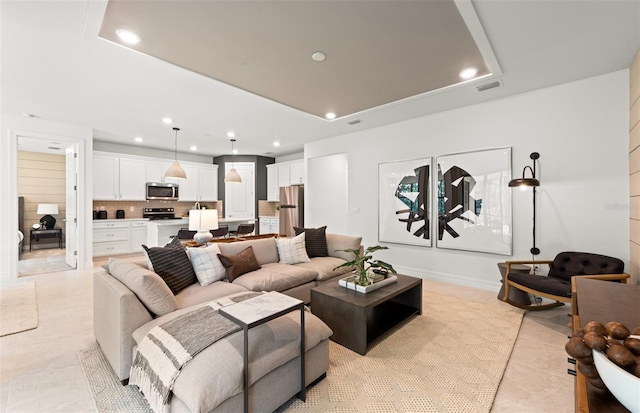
{"x":269,"y":225}
{"x":113,"y":238}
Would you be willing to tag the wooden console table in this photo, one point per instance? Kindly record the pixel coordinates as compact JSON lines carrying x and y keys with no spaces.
{"x":602,"y":301}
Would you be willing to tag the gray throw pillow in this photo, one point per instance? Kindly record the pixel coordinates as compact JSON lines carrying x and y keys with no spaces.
{"x":150,"y":289}
{"x":173,"y":265}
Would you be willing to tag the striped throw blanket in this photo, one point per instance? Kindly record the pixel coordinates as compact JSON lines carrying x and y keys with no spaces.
{"x":167,"y":348}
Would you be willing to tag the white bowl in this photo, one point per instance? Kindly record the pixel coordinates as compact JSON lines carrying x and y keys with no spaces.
{"x":622,"y":384}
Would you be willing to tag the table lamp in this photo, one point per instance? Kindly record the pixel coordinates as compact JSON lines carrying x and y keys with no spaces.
{"x":203,"y":220}
{"x":47,"y":220}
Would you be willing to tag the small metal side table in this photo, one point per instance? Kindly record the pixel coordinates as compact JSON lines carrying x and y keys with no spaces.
{"x":515,"y":295}
{"x":259,"y":310}
{"x":36,"y":234}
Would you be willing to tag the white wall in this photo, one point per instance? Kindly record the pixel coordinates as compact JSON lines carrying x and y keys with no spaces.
{"x":581,"y":132}
{"x":12,"y":127}
{"x":327,"y":204}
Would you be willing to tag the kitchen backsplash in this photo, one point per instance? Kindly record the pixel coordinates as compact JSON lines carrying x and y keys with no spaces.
{"x":180,"y":208}
{"x":268,"y":209}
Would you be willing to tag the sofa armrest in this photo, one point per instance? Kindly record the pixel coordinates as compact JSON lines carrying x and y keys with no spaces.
{"x":117,"y":313}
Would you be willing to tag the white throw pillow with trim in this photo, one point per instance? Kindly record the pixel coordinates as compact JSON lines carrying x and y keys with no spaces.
{"x":206,"y":264}
{"x":292,"y":250}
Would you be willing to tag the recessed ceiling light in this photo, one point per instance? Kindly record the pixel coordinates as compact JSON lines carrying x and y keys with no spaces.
{"x":231,"y":134}
{"x":468,"y":73}
{"x":319,"y":56}
{"x":276,"y":143}
{"x":138,"y":139}
{"x":193,"y":148}
{"x":128,"y":36}
{"x":330,"y":115}
{"x":234,"y":151}
{"x":167,"y":120}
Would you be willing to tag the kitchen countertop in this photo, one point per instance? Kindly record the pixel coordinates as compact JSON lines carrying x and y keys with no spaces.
{"x":121,"y":220}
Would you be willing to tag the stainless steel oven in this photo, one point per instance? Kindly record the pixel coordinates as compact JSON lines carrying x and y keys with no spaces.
{"x":165,"y":191}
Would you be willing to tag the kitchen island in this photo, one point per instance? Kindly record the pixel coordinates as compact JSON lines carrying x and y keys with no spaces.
{"x":159,"y":232}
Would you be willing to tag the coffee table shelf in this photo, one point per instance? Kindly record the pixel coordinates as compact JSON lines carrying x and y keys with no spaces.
{"x":358,"y":319}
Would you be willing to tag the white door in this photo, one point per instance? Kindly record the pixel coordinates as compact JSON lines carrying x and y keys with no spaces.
{"x":71,"y":225}
{"x":240,"y":199}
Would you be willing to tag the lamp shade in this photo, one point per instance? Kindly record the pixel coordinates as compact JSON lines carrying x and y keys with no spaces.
{"x":203,"y":219}
{"x":175,"y":171}
{"x":232,"y":176}
{"x":47,"y":209}
{"x":524,"y":182}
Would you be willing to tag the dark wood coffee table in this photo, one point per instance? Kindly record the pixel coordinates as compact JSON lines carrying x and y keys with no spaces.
{"x":357,"y":319}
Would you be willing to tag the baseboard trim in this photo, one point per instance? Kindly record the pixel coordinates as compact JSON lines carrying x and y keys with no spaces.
{"x":450,"y":278}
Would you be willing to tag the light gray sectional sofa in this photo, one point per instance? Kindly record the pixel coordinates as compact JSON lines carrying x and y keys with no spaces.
{"x":212,"y":381}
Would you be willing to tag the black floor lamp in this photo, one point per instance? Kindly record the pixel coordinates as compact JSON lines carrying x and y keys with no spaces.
{"x":533,"y":182}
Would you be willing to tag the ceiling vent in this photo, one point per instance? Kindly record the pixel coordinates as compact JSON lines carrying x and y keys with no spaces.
{"x":487,"y":86}
{"x":354,"y":122}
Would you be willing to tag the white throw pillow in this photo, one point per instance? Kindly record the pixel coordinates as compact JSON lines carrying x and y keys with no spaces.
{"x":206,"y":264}
{"x":292,"y":250}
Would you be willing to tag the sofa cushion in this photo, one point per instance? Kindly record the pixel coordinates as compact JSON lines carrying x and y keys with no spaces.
{"x":292,"y":250}
{"x":239,"y":264}
{"x":206,"y":264}
{"x":175,"y":243}
{"x":264,"y":249}
{"x":215,"y":374}
{"x":337,"y":242}
{"x":150,"y":289}
{"x":276,"y":277}
{"x":196,"y":294}
{"x":324,"y":267}
{"x":173,"y":265}
{"x":315,"y":242}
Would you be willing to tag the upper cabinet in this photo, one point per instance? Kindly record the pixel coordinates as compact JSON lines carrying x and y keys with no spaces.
{"x":273,"y":187}
{"x":118,"y":178}
{"x":296,"y":173}
{"x":289,"y":173}
{"x":123,"y":178}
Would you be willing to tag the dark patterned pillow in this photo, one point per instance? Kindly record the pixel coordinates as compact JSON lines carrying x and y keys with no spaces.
{"x":315,"y":241}
{"x":173,"y":265}
{"x":242,"y":263}
{"x":175,"y":243}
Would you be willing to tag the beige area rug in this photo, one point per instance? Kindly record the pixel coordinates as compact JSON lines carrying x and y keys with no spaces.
{"x":450,"y":359}
{"x":18,"y":308}
{"x":42,"y":261}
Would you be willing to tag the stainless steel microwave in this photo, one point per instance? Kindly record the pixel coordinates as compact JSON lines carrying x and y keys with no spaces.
{"x":165,"y":191}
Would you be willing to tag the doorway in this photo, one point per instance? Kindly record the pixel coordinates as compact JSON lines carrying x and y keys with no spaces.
{"x":47,"y":171}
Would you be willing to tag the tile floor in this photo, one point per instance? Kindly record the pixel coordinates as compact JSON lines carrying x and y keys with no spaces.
{"x":40,"y":372}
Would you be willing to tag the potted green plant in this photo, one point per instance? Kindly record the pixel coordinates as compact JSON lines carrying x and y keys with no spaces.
{"x":363,"y":263}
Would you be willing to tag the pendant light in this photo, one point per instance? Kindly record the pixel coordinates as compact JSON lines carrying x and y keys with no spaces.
{"x":232,"y":176}
{"x":175,"y":170}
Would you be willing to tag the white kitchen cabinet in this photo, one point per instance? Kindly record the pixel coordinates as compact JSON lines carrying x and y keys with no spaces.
{"x":208,"y":183}
{"x":283,"y":174}
{"x":269,"y":225}
{"x":118,"y":178}
{"x":111,"y":238}
{"x":105,"y":177}
{"x":138,"y":235}
{"x":265,"y":225}
{"x":273,"y":189}
{"x":132,"y":179}
{"x":190,"y":187}
{"x":155,"y":171}
{"x":296,"y":173}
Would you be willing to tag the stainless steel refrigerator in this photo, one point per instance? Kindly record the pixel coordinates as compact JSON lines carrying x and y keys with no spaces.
{"x":291,"y":209}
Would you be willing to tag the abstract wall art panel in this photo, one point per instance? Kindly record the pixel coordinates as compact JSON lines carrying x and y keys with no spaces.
{"x":473,"y":201}
{"x":404,"y":202}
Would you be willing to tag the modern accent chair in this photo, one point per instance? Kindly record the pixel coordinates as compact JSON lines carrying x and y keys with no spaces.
{"x":556,"y":285}
{"x":243,"y":229}
{"x":184,"y":233}
{"x":222,"y":231}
